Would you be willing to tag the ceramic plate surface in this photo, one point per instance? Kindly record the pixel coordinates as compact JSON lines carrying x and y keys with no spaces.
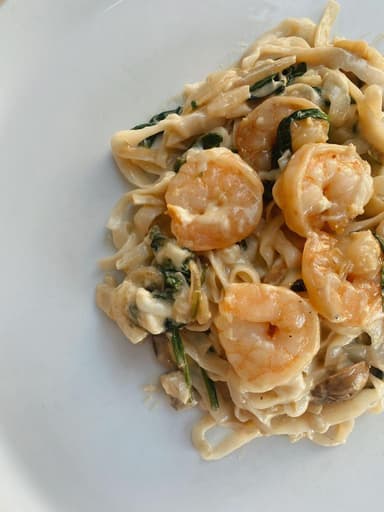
{"x":77,"y":433}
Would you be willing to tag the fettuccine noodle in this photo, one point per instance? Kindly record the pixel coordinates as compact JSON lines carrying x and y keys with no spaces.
{"x":250,"y":248}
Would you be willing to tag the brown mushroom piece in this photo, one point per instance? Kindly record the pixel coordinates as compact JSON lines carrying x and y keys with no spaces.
{"x":178,"y":390}
{"x":161,"y":348}
{"x":343,"y":385}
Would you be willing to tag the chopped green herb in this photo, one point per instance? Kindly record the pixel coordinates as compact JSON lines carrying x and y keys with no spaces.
{"x":211,"y":390}
{"x":172,"y":284}
{"x":298,"y":286}
{"x":148,"y":142}
{"x":283,"y":139}
{"x":172,"y":279}
{"x":169,"y":266}
{"x":178,"y":351}
{"x":194,"y":105}
{"x":179,"y":162}
{"x":166,"y":294}
{"x":211,"y":140}
{"x":376,"y":372}
{"x":276,"y":83}
{"x":184,"y":269}
{"x":243,"y":244}
{"x":157,"y":238}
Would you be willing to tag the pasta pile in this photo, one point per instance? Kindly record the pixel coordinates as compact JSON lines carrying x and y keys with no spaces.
{"x":250,"y":249}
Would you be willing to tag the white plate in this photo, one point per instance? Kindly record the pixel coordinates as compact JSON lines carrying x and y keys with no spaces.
{"x":76,"y":433}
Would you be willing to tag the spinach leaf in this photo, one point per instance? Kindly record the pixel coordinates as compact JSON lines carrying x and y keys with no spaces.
{"x":148,"y":142}
{"x":243,"y":244}
{"x":298,"y":286}
{"x":283,"y":139}
{"x":210,"y":140}
{"x":276,"y":83}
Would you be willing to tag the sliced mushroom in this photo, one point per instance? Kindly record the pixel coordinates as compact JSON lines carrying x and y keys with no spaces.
{"x":343,"y":385}
{"x":177,"y":389}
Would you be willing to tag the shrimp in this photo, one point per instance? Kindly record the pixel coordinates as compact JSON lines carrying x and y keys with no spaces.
{"x":323,"y":187}
{"x":214,"y":201}
{"x":256,"y":134}
{"x":342,"y":277}
{"x":269,"y":334}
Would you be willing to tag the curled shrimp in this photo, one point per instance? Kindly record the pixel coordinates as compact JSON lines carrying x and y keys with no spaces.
{"x":342,"y":277}
{"x":256,"y":133}
{"x":214,"y":201}
{"x":323,"y":187}
{"x":269,"y":334}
